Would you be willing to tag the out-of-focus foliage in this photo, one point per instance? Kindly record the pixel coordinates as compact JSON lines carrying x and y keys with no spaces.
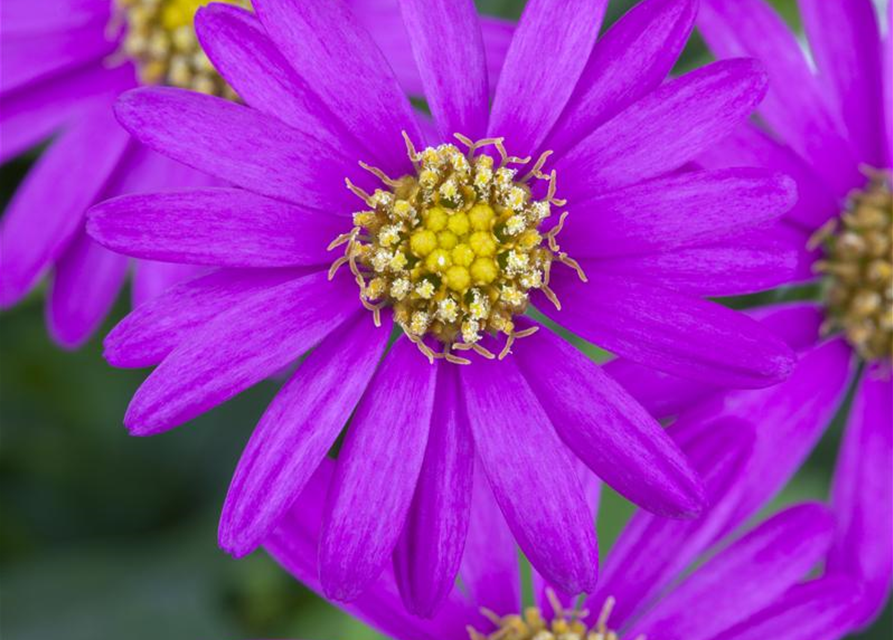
{"x":107,"y":536}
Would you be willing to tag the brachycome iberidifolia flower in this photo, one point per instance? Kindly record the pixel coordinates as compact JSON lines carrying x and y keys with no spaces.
{"x":160,"y":39}
{"x":63,"y":66}
{"x":663,"y":579}
{"x":453,"y":237}
{"x":826,"y":121}
{"x":456,"y":249}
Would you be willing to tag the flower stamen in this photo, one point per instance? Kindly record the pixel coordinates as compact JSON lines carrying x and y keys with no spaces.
{"x":455,"y":249}
{"x":160,"y":39}
{"x":563,"y":625}
{"x":858,"y":270}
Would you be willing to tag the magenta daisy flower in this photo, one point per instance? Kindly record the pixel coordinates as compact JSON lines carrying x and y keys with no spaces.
{"x":752,"y":586}
{"x":64,"y":63}
{"x":827,"y":128}
{"x":448,"y":238}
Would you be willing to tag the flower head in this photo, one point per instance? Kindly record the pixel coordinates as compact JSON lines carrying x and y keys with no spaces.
{"x":826,"y":122}
{"x":452,"y":247}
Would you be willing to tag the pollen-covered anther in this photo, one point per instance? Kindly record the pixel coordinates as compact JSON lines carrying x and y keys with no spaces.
{"x":563,"y":625}
{"x":858,"y":270}
{"x":455,"y":249}
{"x":160,"y":39}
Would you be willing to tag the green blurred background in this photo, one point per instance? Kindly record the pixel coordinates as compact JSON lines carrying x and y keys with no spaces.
{"x":106,"y":536}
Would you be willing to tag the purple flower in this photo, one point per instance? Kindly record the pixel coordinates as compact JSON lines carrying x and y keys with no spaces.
{"x":826,"y":128}
{"x":451,"y":244}
{"x":64,"y":63}
{"x":750,"y":586}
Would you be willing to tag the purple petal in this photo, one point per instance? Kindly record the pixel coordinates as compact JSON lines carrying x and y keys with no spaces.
{"x":532,"y":476}
{"x":28,"y":60}
{"x":457,"y":91}
{"x":664,"y":395}
{"x":742,"y":579}
{"x":546,"y":58}
{"x":151,"y":279}
{"x":544,"y":592}
{"x":689,"y":209}
{"x":297,"y":430}
{"x":240,"y":145}
{"x":609,"y":431}
{"x":792,"y":417}
{"x":383,"y":21}
{"x":146,"y":336}
{"x":28,"y":117}
{"x":378,"y":467}
{"x":817,"y":610}
{"x":429,"y":553}
{"x":663,"y":130}
{"x":794,"y":106}
{"x":651,"y":551}
{"x":331,"y":51}
{"x":750,"y":146}
{"x":47,"y":209}
{"x":661,"y":394}
{"x":86,"y":282}
{"x":862,"y":495}
{"x":490,"y":570}
{"x":629,"y":61}
{"x":247,"y":59}
{"x":751,"y":263}
{"x":844,"y":39}
{"x":240,"y":347}
{"x":28,"y":17}
{"x":294,"y":546}
{"x":679,"y":334}
{"x":216,"y":227}
{"x":797,"y":323}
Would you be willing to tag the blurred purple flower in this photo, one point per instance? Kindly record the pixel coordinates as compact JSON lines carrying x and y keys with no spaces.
{"x":653,"y":240}
{"x":667,"y":579}
{"x":64,"y":62}
{"x":821,"y":127}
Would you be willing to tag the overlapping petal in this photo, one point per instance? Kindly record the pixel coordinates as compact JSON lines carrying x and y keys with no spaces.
{"x":375,"y":480}
{"x":531,"y":474}
{"x":602,"y":425}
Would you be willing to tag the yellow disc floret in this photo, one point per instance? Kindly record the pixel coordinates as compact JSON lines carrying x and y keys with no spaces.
{"x":161,"y":41}
{"x":858,"y":270}
{"x":561,"y":625}
{"x":455,"y":249}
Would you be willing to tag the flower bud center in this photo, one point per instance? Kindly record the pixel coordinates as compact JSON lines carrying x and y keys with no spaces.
{"x":160,"y":39}
{"x":456,"y":249}
{"x":858,"y":271}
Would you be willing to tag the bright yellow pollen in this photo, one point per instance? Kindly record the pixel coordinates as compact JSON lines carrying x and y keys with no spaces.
{"x":463,"y":255}
{"x":481,"y":217}
{"x":484,"y":271}
{"x":455,"y":249}
{"x":458,"y":224}
{"x":482,"y":243}
{"x":438,"y":260}
{"x":423,"y":242}
{"x":161,"y":41}
{"x":436,"y":219}
{"x":447,"y":239}
{"x":457,"y":278}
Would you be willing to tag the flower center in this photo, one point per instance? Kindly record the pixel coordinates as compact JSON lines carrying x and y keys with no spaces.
{"x":455,"y":249}
{"x":564,"y":625}
{"x":858,"y":270}
{"x":161,"y":40}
